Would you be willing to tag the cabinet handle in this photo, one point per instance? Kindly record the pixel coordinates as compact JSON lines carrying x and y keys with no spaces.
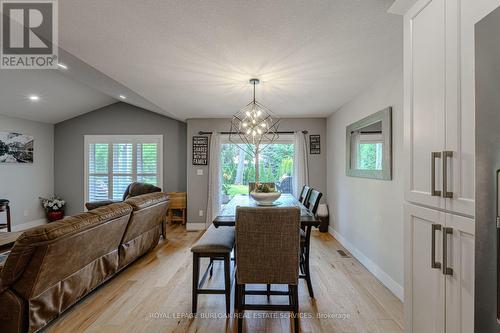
{"x":434,"y":263}
{"x":497,"y":185}
{"x":446,"y":154}
{"x":434,"y":156}
{"x":446,"y":270}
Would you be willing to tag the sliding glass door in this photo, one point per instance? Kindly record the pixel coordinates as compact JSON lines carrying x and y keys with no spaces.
{"x":238,"y":168}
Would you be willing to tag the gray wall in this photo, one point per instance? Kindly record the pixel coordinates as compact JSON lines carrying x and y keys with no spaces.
{"x":197,"y":186}
{"x":23,"y":184}
{"x":366,"y":215}
{"x":116,"y":119}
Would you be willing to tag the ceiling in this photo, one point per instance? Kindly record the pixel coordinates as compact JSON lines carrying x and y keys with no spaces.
{"x":193,"y":58}
{"x":60,"y":97}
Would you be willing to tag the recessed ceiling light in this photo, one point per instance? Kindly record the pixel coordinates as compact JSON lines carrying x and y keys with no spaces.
{"x":34,"y":98}
{"x":63,"y":66}
{"x":123,"y":97}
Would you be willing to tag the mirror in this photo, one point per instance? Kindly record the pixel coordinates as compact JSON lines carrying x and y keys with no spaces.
{"x":369,"y":146}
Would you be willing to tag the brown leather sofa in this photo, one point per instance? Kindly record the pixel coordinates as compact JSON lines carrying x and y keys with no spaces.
{"x":53,"y":266}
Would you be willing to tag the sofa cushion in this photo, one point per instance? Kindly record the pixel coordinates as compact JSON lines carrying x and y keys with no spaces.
{"x":215,"y":240}
{"x":146,"y":200}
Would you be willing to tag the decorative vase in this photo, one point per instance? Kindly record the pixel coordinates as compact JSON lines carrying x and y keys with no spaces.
{"x":265,"y":199}
{"x":55,"y":215}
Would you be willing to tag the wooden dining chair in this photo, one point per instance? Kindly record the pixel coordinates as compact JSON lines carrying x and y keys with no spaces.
{"x":305,"y":241}
{"x":304,"y":194}
{"x":267,"y":252}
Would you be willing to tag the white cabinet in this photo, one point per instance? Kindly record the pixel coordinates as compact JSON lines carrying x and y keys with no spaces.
{"x":439,"y":271}
{"x":439,"y":106}
{"x":424,"y":57}
{"x":424,"y":284}
{"x":460,"y":283}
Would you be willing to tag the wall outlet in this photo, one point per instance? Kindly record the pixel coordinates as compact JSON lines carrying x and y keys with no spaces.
{"x":26,"y":213}
{"x":200,"y":212}
{"x":199,"y":172}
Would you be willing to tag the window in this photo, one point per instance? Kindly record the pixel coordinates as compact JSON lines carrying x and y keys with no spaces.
{"x":238,"y":168}
{"x":370,"y":152}
{"x":112,"y":162}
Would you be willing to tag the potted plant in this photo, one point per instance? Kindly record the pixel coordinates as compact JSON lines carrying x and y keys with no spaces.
{"x":265,"y":195}
{"x":54,"y":208}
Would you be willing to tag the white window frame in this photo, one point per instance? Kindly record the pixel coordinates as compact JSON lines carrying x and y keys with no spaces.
{"x":111,"y":139}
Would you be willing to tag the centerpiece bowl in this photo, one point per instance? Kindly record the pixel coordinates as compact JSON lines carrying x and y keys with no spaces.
{"x":265,"y":199}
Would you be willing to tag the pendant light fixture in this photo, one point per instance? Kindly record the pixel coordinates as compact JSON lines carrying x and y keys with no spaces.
{"x":253,"y":128}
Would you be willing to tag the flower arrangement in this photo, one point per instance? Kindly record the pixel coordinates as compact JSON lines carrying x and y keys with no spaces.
{"x":264,"y":188}
{"x":54,"y":204}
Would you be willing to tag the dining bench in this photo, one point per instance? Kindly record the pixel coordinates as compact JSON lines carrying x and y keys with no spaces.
{"x":216,"y":244}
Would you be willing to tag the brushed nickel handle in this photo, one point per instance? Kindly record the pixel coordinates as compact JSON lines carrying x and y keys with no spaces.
{"x":446,"y":154}
{"x":434,"y":156}
{"x":446,"y":270}
{"x":497,"y":185}
{"x":434,"y":263}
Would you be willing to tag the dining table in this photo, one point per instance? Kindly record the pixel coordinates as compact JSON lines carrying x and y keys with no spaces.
{"x":227,"y":215}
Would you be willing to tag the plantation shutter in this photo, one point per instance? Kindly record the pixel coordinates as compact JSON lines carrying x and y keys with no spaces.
{"x":113,"y":162}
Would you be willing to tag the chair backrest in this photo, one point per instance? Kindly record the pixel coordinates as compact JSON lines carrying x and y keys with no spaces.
{"x":304,"y":195}
{"x":268,"y":243}
{"x":135,"y":189}
{"x":286,"y":185}
{"x":251,"y":185}
{"x":313,"y":201}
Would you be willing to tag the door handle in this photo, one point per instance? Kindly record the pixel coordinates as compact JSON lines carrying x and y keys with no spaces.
{"x":434,"y":263}
{"x":446,"y":270}
{"x":434,"y":156}
{"x":446,"y":154}
{"x":497,"y":185}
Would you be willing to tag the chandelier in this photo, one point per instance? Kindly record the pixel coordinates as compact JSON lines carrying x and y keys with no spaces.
{"x":254,"y":127}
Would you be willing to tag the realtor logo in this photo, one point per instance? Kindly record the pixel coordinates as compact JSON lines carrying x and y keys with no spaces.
{"x":29,"y":34}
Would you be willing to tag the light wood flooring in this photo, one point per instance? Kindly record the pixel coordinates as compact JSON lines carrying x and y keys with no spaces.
{"x":154,"y":295}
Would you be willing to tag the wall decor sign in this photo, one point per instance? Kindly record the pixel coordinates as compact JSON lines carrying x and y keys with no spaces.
{"x":314,"y":144}
{"x":200,"y":150}
{"x":16,"y":148}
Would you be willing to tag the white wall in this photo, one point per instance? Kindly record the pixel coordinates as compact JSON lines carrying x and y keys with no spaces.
{"x":22,"y":184}
{"x":367,"y":214}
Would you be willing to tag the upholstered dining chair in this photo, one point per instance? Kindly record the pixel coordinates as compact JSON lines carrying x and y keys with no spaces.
{"x":267,"y":252}
{"x":305,"y":240}
{"x":304,"y":194}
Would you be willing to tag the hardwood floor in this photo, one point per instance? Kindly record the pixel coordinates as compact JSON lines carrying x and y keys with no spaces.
{"x":154,"y":295}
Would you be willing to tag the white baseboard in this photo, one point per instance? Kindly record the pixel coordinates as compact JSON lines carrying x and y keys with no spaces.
{"x":380,"y":274}
{"x":27,"y":225}
{"x":195,"y":226}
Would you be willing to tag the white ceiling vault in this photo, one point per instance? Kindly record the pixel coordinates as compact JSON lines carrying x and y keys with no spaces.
{"x":193,"y":58}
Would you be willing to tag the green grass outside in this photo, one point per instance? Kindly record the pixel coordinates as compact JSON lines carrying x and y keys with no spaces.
{"x":238,"y":189}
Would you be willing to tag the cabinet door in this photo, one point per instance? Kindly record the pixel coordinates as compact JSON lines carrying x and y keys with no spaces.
{"x":460,"y":104}
{"x":460,"y":281}
{"x":424,"y":99}
{"x":424,"y":285}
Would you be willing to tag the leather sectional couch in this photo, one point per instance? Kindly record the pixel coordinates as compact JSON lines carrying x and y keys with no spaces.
{"x":53,"y":266}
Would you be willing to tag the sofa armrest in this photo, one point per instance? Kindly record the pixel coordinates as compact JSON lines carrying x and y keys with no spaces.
{"x":97,"y":204}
